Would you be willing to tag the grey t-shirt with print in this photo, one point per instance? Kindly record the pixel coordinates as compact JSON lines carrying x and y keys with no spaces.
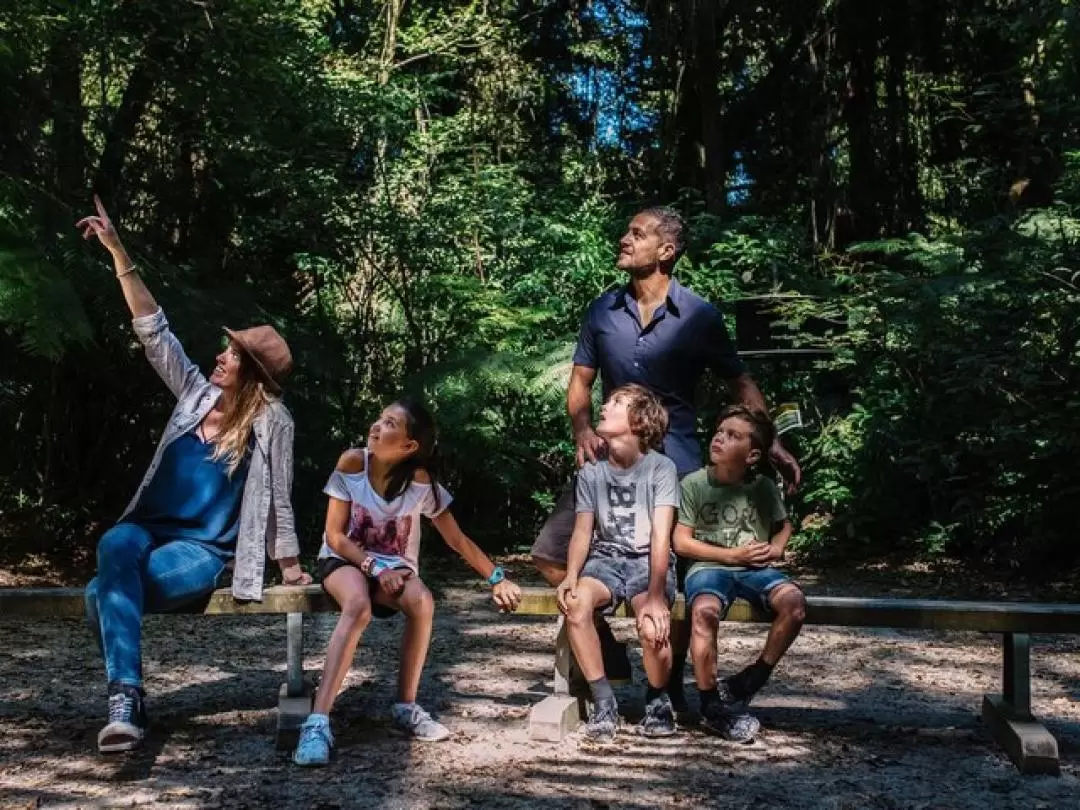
{"x":623,"y":501}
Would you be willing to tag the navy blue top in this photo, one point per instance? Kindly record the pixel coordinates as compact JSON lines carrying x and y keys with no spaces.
{"x":685,"y":337}
{"x":191,"y":497}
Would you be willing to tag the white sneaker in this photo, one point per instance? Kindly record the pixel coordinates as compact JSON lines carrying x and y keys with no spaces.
{"x":413,"y":720}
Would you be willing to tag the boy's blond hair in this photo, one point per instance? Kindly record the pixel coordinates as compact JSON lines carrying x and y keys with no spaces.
{"x":647,"y":417}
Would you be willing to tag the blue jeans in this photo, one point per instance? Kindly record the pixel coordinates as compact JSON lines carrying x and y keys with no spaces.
{"x":752,"y":584}
{"x":135,"y":574}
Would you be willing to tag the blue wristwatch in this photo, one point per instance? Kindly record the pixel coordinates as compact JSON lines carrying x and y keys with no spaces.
{"x":497,"y":576}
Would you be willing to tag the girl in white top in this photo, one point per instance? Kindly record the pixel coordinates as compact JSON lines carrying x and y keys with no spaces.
{"x":368,"y":563}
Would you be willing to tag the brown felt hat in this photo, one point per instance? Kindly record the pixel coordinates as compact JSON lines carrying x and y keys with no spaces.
{"x":268,"y":349}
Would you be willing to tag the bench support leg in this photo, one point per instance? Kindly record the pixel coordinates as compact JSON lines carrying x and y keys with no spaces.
{"x":295,"y":695}
{"x":563,"y":658}
{"x":557,"y":715}
{"x":1030,"y":746}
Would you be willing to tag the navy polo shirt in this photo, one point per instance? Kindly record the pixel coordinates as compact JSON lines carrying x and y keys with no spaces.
{"x":685,"y":337}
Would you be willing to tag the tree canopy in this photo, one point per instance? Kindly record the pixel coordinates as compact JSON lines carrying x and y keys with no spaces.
{"x":425,"y":196}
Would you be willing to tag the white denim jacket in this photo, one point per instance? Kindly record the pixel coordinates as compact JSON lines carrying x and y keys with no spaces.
{"x":266,"y":516}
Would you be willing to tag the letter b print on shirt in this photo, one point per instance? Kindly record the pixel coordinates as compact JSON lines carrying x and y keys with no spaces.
{"x":622,"y":516}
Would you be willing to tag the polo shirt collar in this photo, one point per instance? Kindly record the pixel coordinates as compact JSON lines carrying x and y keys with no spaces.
{"x":675,"y":295}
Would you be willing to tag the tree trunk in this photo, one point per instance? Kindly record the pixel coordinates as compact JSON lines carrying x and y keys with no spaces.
{"x":67,"y":144}
{"x":109,"y":175}
{"x":858,"y":28}
{"x":903,"y":199}
{"x":706,"y":77}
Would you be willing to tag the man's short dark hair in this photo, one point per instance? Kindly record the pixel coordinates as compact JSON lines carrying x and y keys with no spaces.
{"x":671,"y":224}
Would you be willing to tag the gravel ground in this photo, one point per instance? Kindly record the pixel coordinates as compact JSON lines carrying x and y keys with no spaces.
{"x":852,"y":719}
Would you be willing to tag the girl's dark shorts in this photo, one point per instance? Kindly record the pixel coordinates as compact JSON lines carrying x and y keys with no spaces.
{"x":328,"y":565}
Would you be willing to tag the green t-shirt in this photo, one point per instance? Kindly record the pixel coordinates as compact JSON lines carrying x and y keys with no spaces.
{"x":729,"y":515}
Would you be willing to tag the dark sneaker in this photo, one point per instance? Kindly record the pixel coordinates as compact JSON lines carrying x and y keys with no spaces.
{"x":659,"y":719}
{"x":127,"y":720}
{"x":728,"y":699}
{"x":733,"y":725}
{"x":603,"y":721}
{"x":677,"y":696}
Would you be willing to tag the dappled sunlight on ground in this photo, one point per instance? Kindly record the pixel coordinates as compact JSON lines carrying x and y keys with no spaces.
{"x":852,"y":719}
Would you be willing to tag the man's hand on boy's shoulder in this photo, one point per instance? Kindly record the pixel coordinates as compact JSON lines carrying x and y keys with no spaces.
{"x":590,"y":447}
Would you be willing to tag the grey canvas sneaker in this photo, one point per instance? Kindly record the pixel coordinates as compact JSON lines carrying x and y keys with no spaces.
{"x":127,"y":720}
{"x":414,"y":721}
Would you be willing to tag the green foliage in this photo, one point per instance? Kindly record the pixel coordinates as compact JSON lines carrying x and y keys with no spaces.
{"x":426,"y":196}
{"x":961,"y":362}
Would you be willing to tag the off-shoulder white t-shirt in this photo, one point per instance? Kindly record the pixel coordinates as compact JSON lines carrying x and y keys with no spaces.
{"x":387,"y":530}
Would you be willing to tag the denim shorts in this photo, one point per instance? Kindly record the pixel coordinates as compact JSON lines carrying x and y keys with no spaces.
{"x":752,"y":584}
{"x":625,"y":577}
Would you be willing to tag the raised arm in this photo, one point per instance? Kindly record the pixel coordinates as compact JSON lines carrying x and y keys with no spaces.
{"x":138,"y":297}
{"x":163,"y":349}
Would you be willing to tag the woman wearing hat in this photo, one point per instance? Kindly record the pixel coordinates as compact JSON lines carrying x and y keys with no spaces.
{"x":215,"y":496}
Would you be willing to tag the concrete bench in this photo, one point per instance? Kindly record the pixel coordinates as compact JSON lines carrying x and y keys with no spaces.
{"x":1008,"y":715}
{"x":295,"y":695}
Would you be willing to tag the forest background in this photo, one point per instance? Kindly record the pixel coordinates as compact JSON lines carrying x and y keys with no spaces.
{"x":424,"y":196}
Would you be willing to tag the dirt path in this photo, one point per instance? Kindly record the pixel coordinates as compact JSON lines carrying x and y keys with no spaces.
{"x":853,"y":719}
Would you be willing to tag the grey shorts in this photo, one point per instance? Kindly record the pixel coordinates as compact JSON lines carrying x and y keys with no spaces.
{"x":625,"y":577}
{"x":554,"y":539}
{"x":553,"y":542}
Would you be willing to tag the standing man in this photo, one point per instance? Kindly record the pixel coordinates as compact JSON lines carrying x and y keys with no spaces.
{"x":656,"y":333}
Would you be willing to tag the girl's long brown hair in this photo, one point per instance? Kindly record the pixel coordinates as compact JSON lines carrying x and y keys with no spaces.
{"x":231,"y":442}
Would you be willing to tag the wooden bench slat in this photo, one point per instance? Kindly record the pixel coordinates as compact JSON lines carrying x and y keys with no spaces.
{"x":838,"y":611}
{"x":849,"y":611}
{"x":68,"y":602}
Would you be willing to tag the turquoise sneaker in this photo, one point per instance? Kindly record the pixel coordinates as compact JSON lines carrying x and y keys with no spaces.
{"x":315,"y":741}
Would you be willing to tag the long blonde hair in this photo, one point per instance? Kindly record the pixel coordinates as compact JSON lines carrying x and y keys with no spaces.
{"x":231,"y":442}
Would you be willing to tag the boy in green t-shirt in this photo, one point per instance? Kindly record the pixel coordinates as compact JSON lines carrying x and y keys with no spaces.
{"x":733,"y":525}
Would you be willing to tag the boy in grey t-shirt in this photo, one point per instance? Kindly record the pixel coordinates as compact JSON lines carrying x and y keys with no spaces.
{"x":621,"y":552}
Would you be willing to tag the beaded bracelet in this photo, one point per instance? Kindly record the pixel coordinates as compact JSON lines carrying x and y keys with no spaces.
{"x":127,"y":272}
{"x":371,"y":567}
